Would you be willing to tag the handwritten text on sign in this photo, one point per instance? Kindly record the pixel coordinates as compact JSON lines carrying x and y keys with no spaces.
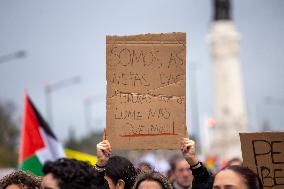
{"x":146,"y":91}
{"x":264,"y":153}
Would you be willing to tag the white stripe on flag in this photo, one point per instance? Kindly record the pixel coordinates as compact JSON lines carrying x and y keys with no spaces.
{"x":53,"y":148}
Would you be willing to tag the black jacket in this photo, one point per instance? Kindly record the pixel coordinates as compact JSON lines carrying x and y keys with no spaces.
{"x":203,"y":179}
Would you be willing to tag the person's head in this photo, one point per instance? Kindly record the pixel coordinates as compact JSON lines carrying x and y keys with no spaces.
{"x":152,"y":180}
{"x":238,"y":177}
{"x":120,"y":173}
{"x":235,"y":161}
{"x":71,"y":174}
{"x":20,"y":180}
{"x":181,"y":171}
{"x":144,"y":167}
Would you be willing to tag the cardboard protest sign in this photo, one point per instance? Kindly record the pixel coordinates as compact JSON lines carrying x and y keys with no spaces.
{"x":146,"y":89}
{"x":264,"y":154}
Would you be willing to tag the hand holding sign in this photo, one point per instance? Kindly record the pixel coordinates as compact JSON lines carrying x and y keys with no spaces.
{"x":103,"y":153}
{"x":188,"y":151}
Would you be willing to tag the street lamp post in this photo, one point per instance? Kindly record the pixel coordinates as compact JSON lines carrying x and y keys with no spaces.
{"x":48,"y":105}
{"x":88,"y":102}
{"x":50,"y":87}
{"x":10,"y":56}
{"x":274,"y":100}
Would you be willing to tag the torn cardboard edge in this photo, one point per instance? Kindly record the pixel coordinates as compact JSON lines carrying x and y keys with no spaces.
{"x":263,"y":134}
{"x":162,"y":38}
{"x":153,"y":92}
{"x":145,"y":94}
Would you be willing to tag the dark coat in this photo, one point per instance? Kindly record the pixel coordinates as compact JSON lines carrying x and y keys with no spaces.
{"x":203,"y":179}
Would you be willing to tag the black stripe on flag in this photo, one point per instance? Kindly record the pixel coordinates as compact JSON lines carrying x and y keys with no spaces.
{"x":42,"y":123}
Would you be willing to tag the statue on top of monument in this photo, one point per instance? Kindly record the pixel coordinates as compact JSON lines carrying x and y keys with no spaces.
{"x":222,"y":10}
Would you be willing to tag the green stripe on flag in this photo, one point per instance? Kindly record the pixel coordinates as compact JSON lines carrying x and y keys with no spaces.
{"x":32,"y":165}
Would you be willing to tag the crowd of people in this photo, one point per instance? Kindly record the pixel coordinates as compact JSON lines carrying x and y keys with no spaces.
{"x":116,"y":172}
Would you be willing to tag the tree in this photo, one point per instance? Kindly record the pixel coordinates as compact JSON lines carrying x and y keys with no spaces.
{"x":8,"y":136}
{"x":85,"y":144}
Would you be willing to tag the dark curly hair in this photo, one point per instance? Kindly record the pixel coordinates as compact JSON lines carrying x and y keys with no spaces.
{"x":153,"y":176}
{"x":121,"y":168}
{"x":21,"y":178}
{"x":74,"y":174}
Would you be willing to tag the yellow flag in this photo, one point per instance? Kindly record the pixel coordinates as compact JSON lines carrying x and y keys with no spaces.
{"x":80,"y":156}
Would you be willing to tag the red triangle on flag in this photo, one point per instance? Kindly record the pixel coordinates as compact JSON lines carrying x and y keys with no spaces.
{"x":31,"y":139}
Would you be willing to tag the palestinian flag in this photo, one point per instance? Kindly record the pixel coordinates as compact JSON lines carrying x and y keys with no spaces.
{"x":38,"y":144}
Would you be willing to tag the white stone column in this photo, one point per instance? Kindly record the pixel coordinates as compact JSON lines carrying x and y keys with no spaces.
{"x":229,"y":105}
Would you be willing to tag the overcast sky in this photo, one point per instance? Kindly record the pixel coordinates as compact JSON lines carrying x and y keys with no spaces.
{"x":67,"y":38}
